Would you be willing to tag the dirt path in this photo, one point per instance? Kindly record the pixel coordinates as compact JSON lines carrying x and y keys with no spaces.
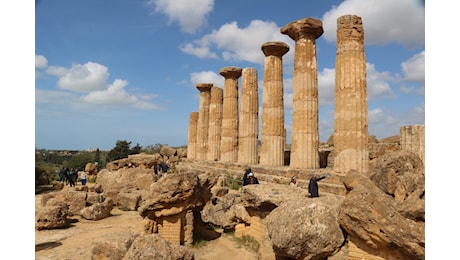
{"x":75,"y":242}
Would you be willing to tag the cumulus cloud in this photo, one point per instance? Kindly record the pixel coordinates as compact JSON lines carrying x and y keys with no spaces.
{"x":235,"y":43}
{"x":84,"y":78}
{"x":207,"y":77}
{"x":189,"y":14}
{"x":378,"y":83}
{"x":40,"y":61}
{"x":87,"y":83}
{"x":414,"y":68}
{"x":389,"y":21}
{"x":115,"y":95}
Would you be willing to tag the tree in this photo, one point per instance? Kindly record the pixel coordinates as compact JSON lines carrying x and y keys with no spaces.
{"x":121,"y":150}
{"x":97,"y":156}
{"x":152,"y":149}
{"x":136,"y":149}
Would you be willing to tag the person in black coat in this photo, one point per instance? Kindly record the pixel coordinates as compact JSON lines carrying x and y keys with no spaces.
{"x":245,"y":176}
{"x":313,"y":185}
{"x":252,"y":179}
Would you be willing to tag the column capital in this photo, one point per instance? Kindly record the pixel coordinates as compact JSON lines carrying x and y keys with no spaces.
{"x":231,"y":72}
{"x":304,"y":28}
{"x":275,"y":48}
{"x":202,"y":87}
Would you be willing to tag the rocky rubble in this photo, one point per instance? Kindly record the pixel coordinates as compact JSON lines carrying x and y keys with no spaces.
{"x":382,"y":213}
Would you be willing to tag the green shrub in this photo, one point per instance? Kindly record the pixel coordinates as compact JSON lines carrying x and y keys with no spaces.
{"x":247,"y":242}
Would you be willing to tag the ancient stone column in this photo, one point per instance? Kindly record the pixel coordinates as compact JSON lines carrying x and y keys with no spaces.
{"x":229,"y":142}
{"x":272,"y":146}
{"x":203,"y":120}
{"x":192,"y":128}
{"x":350,"y":111}
{"x":215,"y":124}
{"x":305,"y":129}
{"x":248,"y":133}
{"x":413,"y":139}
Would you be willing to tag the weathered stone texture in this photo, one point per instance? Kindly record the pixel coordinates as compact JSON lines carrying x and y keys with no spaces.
{"x":413,"y":139}
{"x":351,"y":110}
{"x":272,"y":148}
{"x":203,"y":120}
{"x":229,"y":142}
{"x":249,"y":118}
{"x":305,"y":128}
{"x":215,"y":124}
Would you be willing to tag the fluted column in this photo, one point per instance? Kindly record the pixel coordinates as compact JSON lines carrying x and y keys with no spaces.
{"x":215,"y":124}
{"x":203,"y":120}
{"x":229,"y":142}
{"x":248,"y":133}
{"x":272,"y":150}
{"x":350,"y":110}
{"x":192,"y":128}
{"x":305,"y":129}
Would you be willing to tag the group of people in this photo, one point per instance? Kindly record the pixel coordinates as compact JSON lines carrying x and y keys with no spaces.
{"x":70,"y":177}
{"x":249,"y":178}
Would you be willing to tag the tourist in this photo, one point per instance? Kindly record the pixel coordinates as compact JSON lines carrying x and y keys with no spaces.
{"x":313,"y":185}
{"x":245,"y":176}
{"x":62,"y":175}
{"x":252,"y":179}
{"x":83,"y":178}
{"x":164,"y":168}
{"x":156,"y":167}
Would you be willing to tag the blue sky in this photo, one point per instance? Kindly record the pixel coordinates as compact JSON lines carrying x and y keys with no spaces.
{"x":127,"y":70}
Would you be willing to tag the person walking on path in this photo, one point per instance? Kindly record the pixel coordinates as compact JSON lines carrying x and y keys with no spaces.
{"x":83,"y":178}
{"x":62,"y":175}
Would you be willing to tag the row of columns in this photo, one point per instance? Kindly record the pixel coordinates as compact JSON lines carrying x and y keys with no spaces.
{"x":224,"y":135}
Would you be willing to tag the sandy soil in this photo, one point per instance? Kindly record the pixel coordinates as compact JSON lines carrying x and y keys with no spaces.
{"x":75,"y":242}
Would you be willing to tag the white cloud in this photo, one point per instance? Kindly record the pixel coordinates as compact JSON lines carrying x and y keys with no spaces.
{"x":189,"y":14}
{"x":57,"y":71}
{"x":84,"y":78}
{"x":326,"y":86}
{"x":199,"y":51}
{"x":378,"y":83}
{"x":40,"y":61}
{"x":389,"y":21}
{"x":237,"y":44}
{"x":115,"y":95}
{"x":207,"y":77}
{"x":414,"y":68}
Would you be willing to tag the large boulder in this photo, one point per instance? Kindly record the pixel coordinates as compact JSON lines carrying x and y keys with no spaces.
{"x":174,"y":194}
{"x":98,"y":211}
{"x":226,"y":211}
{"x":152,"y":246}
{"x":306,"y":228}
{"x":373,"y":223}
{"x":401,"y":174}
{"x":52,"y":217}
{"x":112,"y":246}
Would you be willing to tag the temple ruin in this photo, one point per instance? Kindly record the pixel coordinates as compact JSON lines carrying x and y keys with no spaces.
{"x":203,"y":120}
{"x":272,"y":147}
{"x":350,"y":108}
{"x":229,"y":143}
{"x":305,"y":128}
